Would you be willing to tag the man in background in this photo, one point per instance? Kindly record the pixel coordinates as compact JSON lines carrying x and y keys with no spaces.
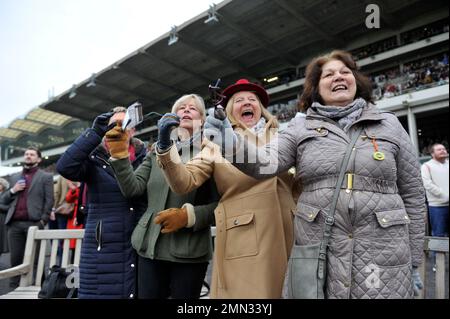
{"x":30,"y":203}
{"x":435,"y":179}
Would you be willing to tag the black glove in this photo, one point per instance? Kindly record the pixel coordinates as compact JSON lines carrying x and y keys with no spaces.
{"x":165,"y":126}
{"x":100,"y":124}
{"x":220,"y":131}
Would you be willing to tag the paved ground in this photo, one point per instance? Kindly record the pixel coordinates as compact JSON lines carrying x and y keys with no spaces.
{"x":4,"y":288}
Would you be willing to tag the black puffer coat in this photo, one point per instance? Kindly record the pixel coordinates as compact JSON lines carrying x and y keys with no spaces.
{"x":108,"y":261}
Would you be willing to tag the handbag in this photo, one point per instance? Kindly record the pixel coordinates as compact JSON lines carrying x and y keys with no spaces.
{"x":55,"y":285}
{"x":141,"y":233}
{"x":307,"y":263}
{"x":65,"y":209}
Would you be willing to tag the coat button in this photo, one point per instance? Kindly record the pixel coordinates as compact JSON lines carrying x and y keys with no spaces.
{"x":350,"y":235}
{"x":132,"y":265}
{"x":236,"y":222}
{"x":384,"y":220}
{"x":346,"y":284}
{"x":92,"y":156}
{"x":406,"y":217}
{"x":104,"y":166}
{"x":131,"y":209}
{"x":131,"y":295}
{"x":310,"y":215}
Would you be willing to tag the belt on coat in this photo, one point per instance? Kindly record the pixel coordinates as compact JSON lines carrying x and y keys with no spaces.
{"x":352,"y":182}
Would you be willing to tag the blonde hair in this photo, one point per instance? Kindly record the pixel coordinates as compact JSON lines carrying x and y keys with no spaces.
{"x":264,"y":112}
{"x":119,"y":109}
{"x":4,"y":183}
{"x":199,"y":103}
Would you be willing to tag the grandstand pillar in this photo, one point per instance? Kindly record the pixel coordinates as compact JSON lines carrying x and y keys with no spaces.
{"x":412,"y":128}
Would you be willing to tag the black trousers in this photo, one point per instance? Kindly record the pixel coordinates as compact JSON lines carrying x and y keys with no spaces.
{"x":159,"y":279}
{"x":17,"y":237}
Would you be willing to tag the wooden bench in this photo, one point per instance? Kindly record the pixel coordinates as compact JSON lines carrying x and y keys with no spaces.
{"x":438,"y":245}
{"x":27,"y":288}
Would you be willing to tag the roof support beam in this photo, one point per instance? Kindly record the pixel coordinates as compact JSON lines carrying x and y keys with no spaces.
{"x":73,"y":110}
{"x":132,"y":72}
{"x":258,"y":39}
{"x":302,"y":18}
{"x":98,"y":97}
{"x":217,"y":56}
{"x":123,"y":90}
{"x":153,"y":57}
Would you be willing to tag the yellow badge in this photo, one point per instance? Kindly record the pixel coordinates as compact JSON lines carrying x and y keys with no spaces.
{"x":379,"y":156}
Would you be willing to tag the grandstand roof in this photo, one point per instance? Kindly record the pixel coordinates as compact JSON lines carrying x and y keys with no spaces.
{"x":34,"y":122}
{"x":253,"y":39}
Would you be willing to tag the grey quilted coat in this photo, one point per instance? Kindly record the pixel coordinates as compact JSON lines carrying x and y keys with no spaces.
{"x":380,"y":218}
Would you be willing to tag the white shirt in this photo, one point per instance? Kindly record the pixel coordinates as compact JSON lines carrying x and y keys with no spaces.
{"x":435,"y":181}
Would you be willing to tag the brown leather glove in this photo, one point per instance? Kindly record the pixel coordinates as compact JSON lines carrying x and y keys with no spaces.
{"x":172,"y":219}
{"x":118,"y":141}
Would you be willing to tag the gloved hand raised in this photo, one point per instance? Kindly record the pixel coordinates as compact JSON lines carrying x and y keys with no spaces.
{"x":172,"y":219}
{"x":100,"y":124}
{"x":221,"y":133}
{"x":165,"y":125}
{"x":417,"y":281}
{"x":118,"y":141}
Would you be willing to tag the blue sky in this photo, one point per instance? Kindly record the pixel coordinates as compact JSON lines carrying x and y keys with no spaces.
{"x":49,"y":45}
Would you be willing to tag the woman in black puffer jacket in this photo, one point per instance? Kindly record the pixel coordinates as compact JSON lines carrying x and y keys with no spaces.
{"x":108,"y":261}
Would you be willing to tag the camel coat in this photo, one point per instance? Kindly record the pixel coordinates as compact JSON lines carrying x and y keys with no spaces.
{"x":254,"y":221}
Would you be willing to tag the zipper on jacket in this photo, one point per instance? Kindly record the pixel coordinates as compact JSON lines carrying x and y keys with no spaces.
{"x":103,"y":160}
{"x":98,"y":235}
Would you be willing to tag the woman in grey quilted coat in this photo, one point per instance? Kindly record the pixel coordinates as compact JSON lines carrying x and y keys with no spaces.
{"x":378,"y":228}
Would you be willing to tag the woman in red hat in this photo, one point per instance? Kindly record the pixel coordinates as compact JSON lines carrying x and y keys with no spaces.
{"x":254,"y":230}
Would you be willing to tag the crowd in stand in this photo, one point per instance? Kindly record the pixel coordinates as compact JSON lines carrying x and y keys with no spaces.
{"x":424,"y":32}
{"x":416,"y":75}
{"x":375,"y":48}
{"x":405,"y":38}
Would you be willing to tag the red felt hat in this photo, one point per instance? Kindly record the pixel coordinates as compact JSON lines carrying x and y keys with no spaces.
{"x":245,"y":85}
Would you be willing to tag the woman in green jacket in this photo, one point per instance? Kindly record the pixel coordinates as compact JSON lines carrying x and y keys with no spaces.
{"x":173,"y":237}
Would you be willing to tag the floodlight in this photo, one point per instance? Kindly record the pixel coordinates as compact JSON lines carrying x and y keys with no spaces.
{"x":173,"y":38}
{"x":91,"y":81}
{"x":73,"y":92}
{"x":212,"y":15}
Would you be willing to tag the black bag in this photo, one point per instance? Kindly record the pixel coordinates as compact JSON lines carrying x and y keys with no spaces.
{"x":54,"y":285}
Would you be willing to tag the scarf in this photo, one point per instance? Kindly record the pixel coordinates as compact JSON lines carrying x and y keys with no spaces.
{"x":345,"y":116}
{"x":259,"y":127}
